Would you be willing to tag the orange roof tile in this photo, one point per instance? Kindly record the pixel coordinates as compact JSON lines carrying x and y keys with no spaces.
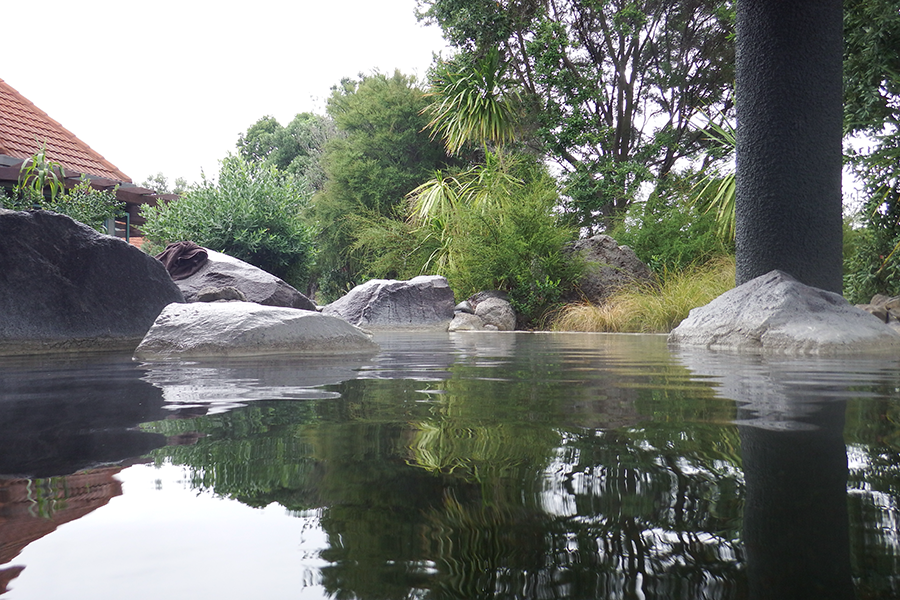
{"x":24,"y":127}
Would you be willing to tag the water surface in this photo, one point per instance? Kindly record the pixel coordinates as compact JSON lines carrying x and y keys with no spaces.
{"x":475,"y":465}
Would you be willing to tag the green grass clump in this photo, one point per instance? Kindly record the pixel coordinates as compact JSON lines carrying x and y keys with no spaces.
{"x":652,"y":307}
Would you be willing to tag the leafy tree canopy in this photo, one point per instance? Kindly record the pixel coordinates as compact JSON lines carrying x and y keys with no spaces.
{"x":614,"y":83}
{"x":295,"y":149}
{"x":872,"y":109}
{"x":871,"y":65}
{"x":160,"y":184}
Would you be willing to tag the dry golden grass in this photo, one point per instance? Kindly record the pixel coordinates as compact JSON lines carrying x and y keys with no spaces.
{"x":651,"y":308}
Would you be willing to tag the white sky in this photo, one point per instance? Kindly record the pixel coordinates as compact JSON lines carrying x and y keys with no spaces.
{"x":169,"y":85}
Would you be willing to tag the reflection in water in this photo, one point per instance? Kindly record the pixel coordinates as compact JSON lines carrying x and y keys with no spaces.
{"x":792,"y":415}
{"x":61,"y":414}
{"x":228,"y":383}
{"x":552,"y":466}
{"x":498,"y":466}
{"x":32,"y":508}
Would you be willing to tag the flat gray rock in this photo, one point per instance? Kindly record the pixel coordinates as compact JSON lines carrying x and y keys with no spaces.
{"x":421,"y":303}
{"x":222,"y":271}
{"x":231,"y":329}
{"x":65,"y":287}
{"x":776,"y":313}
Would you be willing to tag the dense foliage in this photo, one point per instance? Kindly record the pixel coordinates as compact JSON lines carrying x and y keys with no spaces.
{"x":253,"y":213}
{"x":872,"y":112}
{"x":83,"y":203}
{"x":669,"y":231}
{"x":382,"y":153}
{"x":491,"y":227}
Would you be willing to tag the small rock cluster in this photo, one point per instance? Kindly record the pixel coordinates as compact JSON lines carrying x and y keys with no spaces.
{"x":885,"y":308}
{"x":484,"y":311}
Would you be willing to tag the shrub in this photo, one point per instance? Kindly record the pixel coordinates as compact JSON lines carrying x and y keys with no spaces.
{"x":253,"y":213}
{"x":393,"y":248}
{"x":82,"y":203}
{"x":482,"y":236}
{"x":671,"y":233}
{"x":649,"y":308}
{"x":872,"y":252}
{"x":517,"y":247}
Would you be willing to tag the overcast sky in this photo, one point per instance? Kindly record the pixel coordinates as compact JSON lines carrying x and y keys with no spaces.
{"x":169,"y":85}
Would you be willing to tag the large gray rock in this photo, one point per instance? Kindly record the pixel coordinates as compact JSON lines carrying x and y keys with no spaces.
{"x":424,"y":302}
{"x":608,"y":267}
{"x":230,"y":329}
{"x":223,"y":271}
{"x":63,"y":286}
{"x":777,"y":313}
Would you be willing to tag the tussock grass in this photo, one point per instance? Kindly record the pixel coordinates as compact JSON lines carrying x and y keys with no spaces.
{"x":651,"y":308}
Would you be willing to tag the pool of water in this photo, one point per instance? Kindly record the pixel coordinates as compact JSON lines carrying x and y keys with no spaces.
{"x":475,"y":465}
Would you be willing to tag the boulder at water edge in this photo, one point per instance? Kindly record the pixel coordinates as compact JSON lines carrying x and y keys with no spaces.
{"x":230,"y":329}
{"x":223,"y":271}
{"x":423,"y":303}
{"x":64,"y":286}
{"x":777,"y":313}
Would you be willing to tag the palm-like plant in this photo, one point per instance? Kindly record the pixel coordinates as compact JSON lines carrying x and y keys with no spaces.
{"x":472,"y":105}
{"x":481,"y":186}
{"x":438,"y":202}
{"x":39,"y":172}
{"x":716,"y":192}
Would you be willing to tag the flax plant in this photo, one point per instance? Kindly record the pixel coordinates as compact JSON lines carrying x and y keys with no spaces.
{"x":39,"y":172}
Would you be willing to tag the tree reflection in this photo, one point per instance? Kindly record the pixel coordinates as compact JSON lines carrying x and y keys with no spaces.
{"x":552,"y":470}
{"x":511,"y":477}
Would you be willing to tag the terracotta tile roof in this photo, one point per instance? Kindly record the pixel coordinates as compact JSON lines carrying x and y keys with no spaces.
{"x":24,"y":127}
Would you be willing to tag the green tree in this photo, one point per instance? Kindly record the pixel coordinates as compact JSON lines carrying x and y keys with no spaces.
{"x":493,"y":225}
{"x":872,"y":112}
{"x":295,"y":149}
{"x":253,"y":213}
{"x":159,"y":183}
{"x":614,"y":84}
{"x":382,"y":153}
